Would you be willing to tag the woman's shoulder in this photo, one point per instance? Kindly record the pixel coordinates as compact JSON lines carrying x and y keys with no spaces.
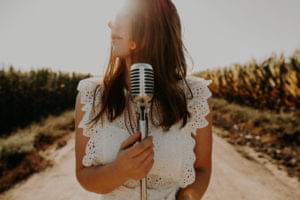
{"x":198,"y":105}
{"x":198,"y":79}
{"x":89,"y":82}
{"x":198,"y":85}
{"x":86,"y":93}
{"x":87,"y":86}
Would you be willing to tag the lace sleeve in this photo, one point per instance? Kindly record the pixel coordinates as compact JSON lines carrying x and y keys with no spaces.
{"x":199,"y":108}
{"x":86,"y":89}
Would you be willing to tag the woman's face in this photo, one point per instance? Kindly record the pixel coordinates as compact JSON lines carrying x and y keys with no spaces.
{"x":120,"y":33}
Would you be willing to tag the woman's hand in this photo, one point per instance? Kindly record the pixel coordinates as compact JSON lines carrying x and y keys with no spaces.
{"x":135,"y":160}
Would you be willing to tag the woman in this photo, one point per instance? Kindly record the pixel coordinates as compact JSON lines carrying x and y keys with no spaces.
{"x":176,"y":157}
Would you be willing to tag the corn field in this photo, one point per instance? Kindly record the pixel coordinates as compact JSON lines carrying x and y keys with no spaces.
{"x":274,"y":83}
{"x":28,"y":96}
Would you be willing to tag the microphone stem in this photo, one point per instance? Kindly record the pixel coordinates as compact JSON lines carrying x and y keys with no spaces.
{"x":143,"y":128}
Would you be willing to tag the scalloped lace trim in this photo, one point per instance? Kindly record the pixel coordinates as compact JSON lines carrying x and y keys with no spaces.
{"x":126,"y":193}
{"x":92,"y":151}
{"x":199,"y":109}
{"x":86,"y":89}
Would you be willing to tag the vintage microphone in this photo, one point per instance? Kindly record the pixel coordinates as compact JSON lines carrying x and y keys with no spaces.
{"x":142,"y":89}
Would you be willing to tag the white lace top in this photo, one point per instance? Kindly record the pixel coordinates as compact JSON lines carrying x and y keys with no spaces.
{"x":174,"y":156}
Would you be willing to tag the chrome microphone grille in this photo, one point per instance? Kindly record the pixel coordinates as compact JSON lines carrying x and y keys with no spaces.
{"x":141,"y":82}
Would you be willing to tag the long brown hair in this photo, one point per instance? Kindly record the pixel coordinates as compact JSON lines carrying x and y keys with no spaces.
{"x":156,"y":29}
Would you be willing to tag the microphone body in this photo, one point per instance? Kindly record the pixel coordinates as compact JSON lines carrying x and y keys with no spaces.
{"x":142,"y":86}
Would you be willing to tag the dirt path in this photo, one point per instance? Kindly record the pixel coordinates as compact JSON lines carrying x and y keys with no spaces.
{"x":234,"y":178}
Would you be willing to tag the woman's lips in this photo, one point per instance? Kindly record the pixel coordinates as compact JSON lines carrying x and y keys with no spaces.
{"x":115,"y":41}
{"x":116,"y":37}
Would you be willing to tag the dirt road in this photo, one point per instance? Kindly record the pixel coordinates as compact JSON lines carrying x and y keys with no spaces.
{"x":234,"y":178}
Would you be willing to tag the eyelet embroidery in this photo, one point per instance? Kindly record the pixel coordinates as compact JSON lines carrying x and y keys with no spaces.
{"x":198,"y":107}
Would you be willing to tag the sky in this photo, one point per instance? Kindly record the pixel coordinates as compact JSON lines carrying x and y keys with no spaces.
{"x":73,"y":36}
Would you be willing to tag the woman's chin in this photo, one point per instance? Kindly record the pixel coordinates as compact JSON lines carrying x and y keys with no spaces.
{"x":119,"y":55}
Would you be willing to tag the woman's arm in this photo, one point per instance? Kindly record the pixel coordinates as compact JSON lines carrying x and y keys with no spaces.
{"x":98,"y":179}
{"x":203,"y":152}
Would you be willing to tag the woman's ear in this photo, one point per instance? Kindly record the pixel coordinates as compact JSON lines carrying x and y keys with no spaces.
{"x":132,"y":45}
